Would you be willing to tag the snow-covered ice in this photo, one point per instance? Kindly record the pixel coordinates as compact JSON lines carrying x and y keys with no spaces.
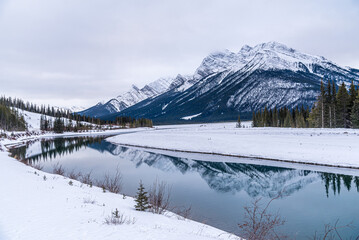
{"x":332,"y":147}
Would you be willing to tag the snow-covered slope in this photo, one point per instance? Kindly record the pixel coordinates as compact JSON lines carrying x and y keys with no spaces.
{"x":33,"y":120}
{"x":227,"y":83}
{"x":38,"y":205}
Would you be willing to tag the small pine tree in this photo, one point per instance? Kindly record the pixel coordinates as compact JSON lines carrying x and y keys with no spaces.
{"x":141,"y":199}
{"x":239,"y":122}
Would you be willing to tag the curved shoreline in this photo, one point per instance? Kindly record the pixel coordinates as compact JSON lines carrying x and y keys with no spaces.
{"x":237,"y":156}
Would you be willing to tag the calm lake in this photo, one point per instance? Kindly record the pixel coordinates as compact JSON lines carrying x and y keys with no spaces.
{"x":216,"y":191}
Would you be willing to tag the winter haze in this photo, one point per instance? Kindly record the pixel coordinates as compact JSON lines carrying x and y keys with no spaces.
{"x":69,"y":53}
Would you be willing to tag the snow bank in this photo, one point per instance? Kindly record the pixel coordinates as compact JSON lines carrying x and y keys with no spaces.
{"x":34,"y":208}
{"x":192,"y":116}
{"x":331,"y":147}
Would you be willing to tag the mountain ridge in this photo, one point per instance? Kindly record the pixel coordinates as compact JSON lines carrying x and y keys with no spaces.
{"x":228,"y":83}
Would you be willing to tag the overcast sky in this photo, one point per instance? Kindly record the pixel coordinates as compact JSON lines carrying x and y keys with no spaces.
{"x":79,"y":52}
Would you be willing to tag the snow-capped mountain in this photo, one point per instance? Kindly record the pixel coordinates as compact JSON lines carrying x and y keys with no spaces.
{"x":271,"y":55}
{"x":70,"y":109}
{"x":127,"y":99}
{"x":227,"y":83}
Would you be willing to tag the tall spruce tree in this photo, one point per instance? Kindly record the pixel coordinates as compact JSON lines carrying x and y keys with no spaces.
{"x":342,"y":107}
{"x":321,"y":104}
{"x":352,"y":97}
{"x":254,"y":120}
{"x":275,"y":117}
{"x":328,"y":108}
{"x":288,"y":121}
{"x":334,"y":104}
{"x":355,"y":113}
{"x":59,"y":125}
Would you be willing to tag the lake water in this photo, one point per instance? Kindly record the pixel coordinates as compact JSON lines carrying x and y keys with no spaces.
{"x":216,"y":191}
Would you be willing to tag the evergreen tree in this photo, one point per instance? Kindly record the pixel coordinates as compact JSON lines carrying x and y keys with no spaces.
{"x":321,"y":103}
{"x":342,"y":107}
{"x":275,"y":117}
{"x":355,"y":113}
{"x":300,"y":121}
{"x":328,"y":106}
{"x":239,"y":122}
{"x":288,"y":121}
{"x":59,"y":125}
{"x":334,"y":104}
{"x":352,"y":97}
{"x":266,"y":117}
{"x":11,"y":120}
{"x":254,"y":120}
{"x":141,"y":199}
{"x":352,"y":94}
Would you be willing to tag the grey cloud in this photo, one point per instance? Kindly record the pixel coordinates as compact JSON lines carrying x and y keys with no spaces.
{"x":80,"y":52}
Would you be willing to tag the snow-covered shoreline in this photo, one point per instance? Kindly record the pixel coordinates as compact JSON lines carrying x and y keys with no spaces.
{"x":24,"y":139}
{"x":323,"y":147}
{"x":39,"y":205}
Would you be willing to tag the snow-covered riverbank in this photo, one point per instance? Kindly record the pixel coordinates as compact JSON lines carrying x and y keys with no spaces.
{"x":38,"y":205}
{"x":328,"y":147}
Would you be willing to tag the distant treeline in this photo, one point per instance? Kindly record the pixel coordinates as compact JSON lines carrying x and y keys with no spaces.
{"x":283,"y":117}
{"x":59,"y":124}
{"x":333,"y":109}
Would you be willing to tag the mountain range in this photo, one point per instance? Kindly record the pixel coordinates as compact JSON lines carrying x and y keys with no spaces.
{"x":227,"y":84}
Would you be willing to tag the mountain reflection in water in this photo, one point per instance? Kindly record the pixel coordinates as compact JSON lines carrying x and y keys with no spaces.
{"x":255,"y":180}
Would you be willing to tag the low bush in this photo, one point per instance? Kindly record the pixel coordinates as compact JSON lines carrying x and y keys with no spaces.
{"x":58,"y":169}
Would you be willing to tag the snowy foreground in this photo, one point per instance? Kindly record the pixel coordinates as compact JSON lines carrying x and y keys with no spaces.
{"x":329,"y":147}
{"x":38,"y":205}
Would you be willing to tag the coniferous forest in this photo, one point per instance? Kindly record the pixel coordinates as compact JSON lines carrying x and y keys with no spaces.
{"x":336,"y":107}
{"x":11,"y":120}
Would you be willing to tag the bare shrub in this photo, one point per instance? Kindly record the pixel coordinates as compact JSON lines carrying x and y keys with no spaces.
{"x":112,"y":183}
{"x":58,"y":169}
{"x":118,"y":218}
{"x":37,"y":165}
{"x":159,"y":197}
{"x":89,"y":200}
{"x":86,"y":179}
{"x":183,"y":212}
{"x":73,"y":175}
{"x":259,"y":223}
{"x":130,"y":220}
{"x":331,"y":232}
